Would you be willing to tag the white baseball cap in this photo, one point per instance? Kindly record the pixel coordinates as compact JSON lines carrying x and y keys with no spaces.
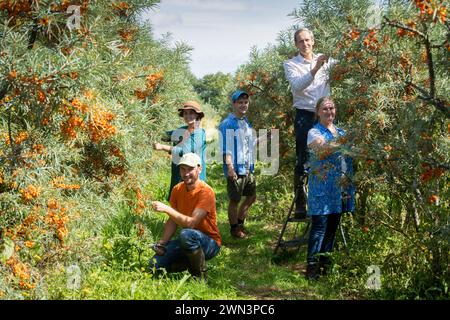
{"x":191,"y":160}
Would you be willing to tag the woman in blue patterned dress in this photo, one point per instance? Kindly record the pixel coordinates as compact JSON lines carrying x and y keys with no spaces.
{"x":186,"y":139}
{"x":330,"y":191}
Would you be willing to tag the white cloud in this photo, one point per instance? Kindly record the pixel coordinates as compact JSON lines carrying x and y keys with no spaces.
{"x":203,"y":5}
{"x":166,"y":20}
{"x":221,"y":32}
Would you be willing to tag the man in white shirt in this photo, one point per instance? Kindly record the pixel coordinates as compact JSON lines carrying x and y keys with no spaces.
{"x":308,"y":76}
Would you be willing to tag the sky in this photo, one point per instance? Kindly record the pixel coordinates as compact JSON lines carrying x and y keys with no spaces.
{"x":221,"y":32}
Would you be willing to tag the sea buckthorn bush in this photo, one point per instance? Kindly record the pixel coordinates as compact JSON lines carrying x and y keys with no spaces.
{"x":81,"y":97}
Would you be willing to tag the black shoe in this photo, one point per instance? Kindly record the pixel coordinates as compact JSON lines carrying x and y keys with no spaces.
{"x":237,"y":233}
{"x":312,"y":272}
{"x":243,"y":229}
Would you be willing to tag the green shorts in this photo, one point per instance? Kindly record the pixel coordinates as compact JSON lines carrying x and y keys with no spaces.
{"x":243,"y":186}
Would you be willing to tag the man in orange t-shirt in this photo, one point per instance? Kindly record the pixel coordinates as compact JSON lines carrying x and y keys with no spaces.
{"x":192,"y":207}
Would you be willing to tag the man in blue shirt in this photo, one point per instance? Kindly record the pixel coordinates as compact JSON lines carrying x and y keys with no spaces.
{"x":238,"y":147}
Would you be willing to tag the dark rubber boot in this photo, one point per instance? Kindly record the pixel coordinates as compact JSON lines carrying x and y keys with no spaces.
{"x":324,"y":265}
{"x":197,"y":263}
{"x":312,"y":272}
{"x":178,"y":266}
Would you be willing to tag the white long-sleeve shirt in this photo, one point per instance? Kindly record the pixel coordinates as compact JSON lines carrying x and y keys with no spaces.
{"x":305,"y":88}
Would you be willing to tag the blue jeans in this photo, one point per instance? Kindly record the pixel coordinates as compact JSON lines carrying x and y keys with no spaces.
{"x":304,"y":121}
{"x":322,"y":234}
{"x":190,"y":240}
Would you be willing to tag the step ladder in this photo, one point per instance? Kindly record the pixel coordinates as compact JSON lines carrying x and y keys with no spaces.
{"x":297,"y":240}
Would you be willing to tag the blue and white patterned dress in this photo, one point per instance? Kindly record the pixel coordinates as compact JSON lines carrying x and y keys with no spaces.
{"x":325,"y":178}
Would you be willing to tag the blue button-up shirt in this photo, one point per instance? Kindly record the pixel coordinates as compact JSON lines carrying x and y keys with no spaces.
{"x":237,"y":139}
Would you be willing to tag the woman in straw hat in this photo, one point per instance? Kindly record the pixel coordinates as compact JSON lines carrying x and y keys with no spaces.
{"x":188,"y":138}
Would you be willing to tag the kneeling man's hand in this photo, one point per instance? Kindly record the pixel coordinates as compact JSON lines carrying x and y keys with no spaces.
{"x":159,"y":206}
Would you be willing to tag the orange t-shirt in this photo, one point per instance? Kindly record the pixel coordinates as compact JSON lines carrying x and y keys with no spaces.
{"x":202,"y":197}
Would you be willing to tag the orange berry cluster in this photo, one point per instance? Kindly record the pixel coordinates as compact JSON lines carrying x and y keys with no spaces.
{"x":6,"y":99}
{"x":251,"y":77}
{"x":26,"y":87}
{"x":29,"y":244}
{"x":140,"y":229}
{"x":371,"y":41}
{"x":21,"y":137}
{"x":57,"y":219}
{"x":430,"y":173}
{"x":338,"y":72}
{"x":135,"y":199}
{"x":127,"y":35}
{"x":21,"y":234}
{"x":99,"y":124}
{"x":140,"y":203}
{"x":141,"y":95}
{"x":354,"y":34}
{"x":153,"y":80}
{"x":62,"y":7}
{"x":16,"y":7}
{"x":23,"y":230}
{"x":69,"y":127}
{"x":89,"y":94}
{"x":442,"y":13}
{"x":342,"y":139}
{"x":59,"y":183}
{"x":72,"y":74}
{"x":152,"y":83}
{"x":100,"y":127}
{"x":29,"y":193}
{"x":429,"y":7}
{"x":44,"y":21}
{"x":21,"y":270}
{"x":40,"y":95}
{"x":38,"y":148}
{"x":405,"y":62}
{"x":115,"y":151}
{"x":433,"y":199}
{"x":118,"y":169}
{"x":12,"y":75}
{"x":67,"y":186}
{"x":402,"y":32}
{"x":121,"y":8}
{"x":260,"y":74}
